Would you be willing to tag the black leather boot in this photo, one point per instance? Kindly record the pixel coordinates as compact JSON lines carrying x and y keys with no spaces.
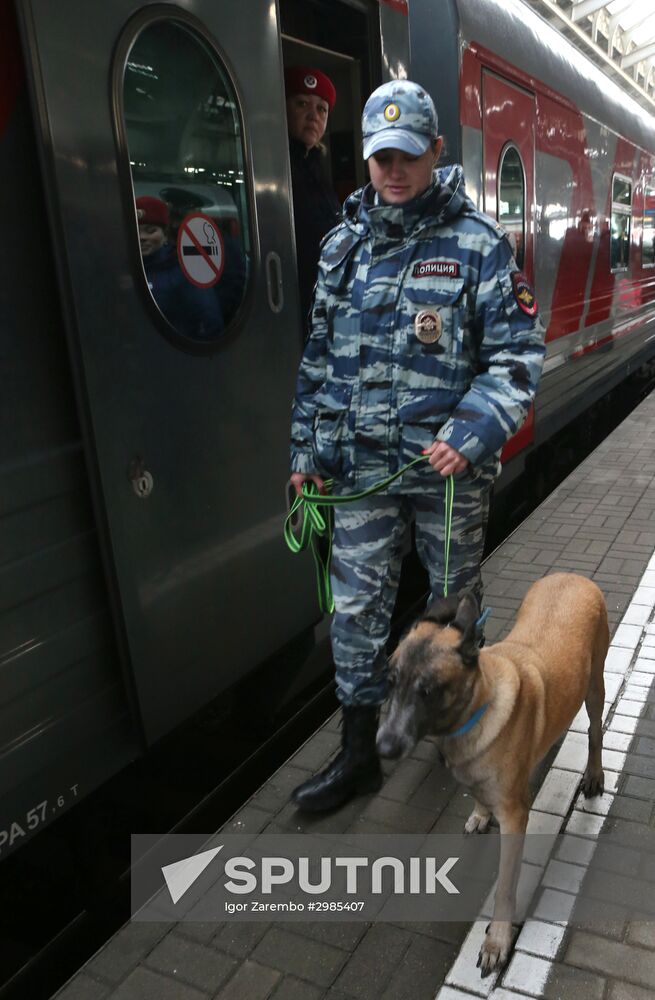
{"x":354,"y":771}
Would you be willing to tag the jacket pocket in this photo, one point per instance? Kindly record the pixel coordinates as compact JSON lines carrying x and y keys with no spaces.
{"x":333,"y":442}
{"x":421,"y":413}
{"x":433,"y":317}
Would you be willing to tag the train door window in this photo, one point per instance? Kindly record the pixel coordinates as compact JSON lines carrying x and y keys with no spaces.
{"x":648,"y":229}
{"x":621,"y":222}
{"x":511,"y":199}
{"x":184,"y":136}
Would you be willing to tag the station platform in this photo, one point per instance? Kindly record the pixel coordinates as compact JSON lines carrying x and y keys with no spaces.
{"x":599,"y":522}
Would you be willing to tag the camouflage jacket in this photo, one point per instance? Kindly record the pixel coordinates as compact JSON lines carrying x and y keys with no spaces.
{"x":370,"y":394}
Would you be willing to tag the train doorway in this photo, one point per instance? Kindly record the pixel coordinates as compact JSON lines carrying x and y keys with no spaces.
{"x":343,"y":40}
{"x":509,"y":123}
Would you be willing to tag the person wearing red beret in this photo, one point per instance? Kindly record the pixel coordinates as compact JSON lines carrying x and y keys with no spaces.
{"x":310,"y":98}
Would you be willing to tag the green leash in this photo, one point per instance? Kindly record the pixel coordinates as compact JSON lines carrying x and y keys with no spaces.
{"x":316,"y":524}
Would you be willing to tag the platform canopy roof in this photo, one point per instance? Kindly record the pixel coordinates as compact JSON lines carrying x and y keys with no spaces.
{"x":619,"y":36}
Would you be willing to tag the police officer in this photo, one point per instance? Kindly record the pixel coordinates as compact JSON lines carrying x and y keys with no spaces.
{"x":310,"y":96}
{"x":425,"y":337}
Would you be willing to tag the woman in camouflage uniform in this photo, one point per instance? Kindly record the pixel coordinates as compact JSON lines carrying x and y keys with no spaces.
{"x":425,"y":337}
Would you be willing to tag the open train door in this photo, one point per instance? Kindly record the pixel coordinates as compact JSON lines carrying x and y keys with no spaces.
{"x":508,"y":128}
{"x":185,"y":371}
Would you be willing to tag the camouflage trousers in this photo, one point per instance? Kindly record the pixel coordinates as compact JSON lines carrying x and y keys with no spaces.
{"x":370,"y":537}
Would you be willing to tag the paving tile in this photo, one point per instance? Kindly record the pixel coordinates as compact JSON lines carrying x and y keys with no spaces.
{"x":573,"y":753}
{"x":344,"y":934}
{"x":541,"y":939}
{"x":238,"y":939}
{"x":314,"y":961}
{"x":618,"y":659}
{"x":196,"y":930}
{"x":369,"y":970}
{"x":557,"y":792}
{"x":194,"y":963}
{"x":641,"y":932}
{"x":528,"y":974}
{"x":130,"y":945}
{"x":250,"y":982}
{"x":83,"y":987}
{"x":247,"y":820}
{"x":565,"y":983}
{"x":448,"y":993}
{"x":290,"y":988}
{"x":617,"y":741}
{"x":627,"y":636}
{"x":554,"y":906}
{"x":143,"y":984}
{"x":626,"y":991}
{"x":637,"y":614}
{"x":423,"y":968}
{"x":640,"y":765}
{"x":623,"y":723}
{"x":406,"y":779}
{"x":641,"y":788}
{"x":638,"y":810}
{"x":400,"y":816}
{"x":564,"y":876}
{"x":611,"y":958}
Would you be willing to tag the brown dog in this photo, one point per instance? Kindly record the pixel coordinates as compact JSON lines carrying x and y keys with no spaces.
{"x":498,"y":710}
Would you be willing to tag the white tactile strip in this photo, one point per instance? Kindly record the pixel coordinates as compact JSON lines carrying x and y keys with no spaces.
{"x":629,"y":673}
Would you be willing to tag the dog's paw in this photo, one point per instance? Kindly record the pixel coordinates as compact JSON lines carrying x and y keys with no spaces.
{"x":593,"y":783}
{"x":495,"y":949}
{"x":477,"y":822}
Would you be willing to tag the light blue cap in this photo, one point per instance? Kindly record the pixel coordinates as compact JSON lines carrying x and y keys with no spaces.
{"x":399,"y":115}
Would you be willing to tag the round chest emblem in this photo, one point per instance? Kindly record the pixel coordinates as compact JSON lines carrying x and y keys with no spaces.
{"x":310,"y":81}
{"x":427,"y":326}
{"x":392,"y":112}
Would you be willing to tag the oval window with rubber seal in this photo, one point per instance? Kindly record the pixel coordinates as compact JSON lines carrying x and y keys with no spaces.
{"x":183,"y":135}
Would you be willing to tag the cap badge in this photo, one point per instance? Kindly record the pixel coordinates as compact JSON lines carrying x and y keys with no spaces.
{"x":392,"y":112}
{"x":427,"y":326}
{"x":310,"y":81}
{"x":140,"y":213}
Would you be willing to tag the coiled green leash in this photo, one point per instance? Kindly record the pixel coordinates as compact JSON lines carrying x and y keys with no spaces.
{"x":316,"y":524}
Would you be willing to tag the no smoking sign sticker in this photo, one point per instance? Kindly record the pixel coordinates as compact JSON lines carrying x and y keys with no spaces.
{"x":200,"y":250}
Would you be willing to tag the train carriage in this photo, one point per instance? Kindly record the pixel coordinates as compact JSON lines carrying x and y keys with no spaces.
{"x":143,"y":459}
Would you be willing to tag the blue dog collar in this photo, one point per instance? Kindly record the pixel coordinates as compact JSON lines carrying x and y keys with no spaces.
{"x":483,"y":617}
{"x":477,"y":715}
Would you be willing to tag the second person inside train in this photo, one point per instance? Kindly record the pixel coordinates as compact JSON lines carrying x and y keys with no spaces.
{"x":311,"y":97}
{"x":424,"y":339}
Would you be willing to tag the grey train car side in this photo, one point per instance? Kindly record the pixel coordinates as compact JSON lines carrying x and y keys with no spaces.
{"x":144,"y":451}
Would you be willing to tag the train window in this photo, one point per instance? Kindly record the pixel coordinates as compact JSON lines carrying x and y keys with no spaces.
{"x":621,"y":221}
{"x":648,"y":230}
{"x":511,"y":199}
{"x":185,"y":141}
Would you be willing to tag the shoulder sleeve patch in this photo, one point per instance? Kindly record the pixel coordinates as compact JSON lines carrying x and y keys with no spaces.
{"x":524,"y":293}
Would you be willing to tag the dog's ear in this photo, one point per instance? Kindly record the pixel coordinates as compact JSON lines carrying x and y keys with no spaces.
{"x":468,"y":610}
{"x":442,"y":611}
{"x":466,"y":620}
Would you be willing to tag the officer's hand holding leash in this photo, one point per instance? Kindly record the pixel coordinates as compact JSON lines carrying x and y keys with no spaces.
{"x":444,"y":459}
{"x":298,"y":478}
